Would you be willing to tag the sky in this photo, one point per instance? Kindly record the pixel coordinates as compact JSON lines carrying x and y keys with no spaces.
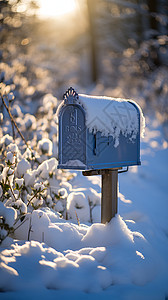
{"x":56,"y":8}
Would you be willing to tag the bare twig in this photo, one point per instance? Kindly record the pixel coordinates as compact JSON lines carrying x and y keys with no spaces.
{"x":77,"y":218}
{"x":30,"y":229}
{"x":13,"y":129}
{"x":20,"y":224}
{"x":14,"y":122}
{"x":12,"y":190}
{"x":32,"y":198}
{"x":91,"y":218}
{"x":39,"y":191}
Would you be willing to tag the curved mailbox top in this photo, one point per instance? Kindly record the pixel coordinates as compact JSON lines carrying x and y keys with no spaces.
{"x":98,"y":132}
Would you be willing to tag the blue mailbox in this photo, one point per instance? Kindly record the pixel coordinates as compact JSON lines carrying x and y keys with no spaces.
{"x":98,"y":132}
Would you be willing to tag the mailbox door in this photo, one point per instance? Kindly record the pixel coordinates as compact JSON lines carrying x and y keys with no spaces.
{"x":102,"y":154}
{"x":72,"y":138}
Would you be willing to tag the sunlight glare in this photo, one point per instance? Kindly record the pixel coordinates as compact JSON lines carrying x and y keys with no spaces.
{"x":56,"y":8}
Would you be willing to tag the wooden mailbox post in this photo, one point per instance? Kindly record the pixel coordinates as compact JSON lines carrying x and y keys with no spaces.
{"x":109,"y":194}
{"x":100,"y":136}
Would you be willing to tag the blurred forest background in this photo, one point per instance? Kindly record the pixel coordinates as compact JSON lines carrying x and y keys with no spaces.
{"x":116,"y":48}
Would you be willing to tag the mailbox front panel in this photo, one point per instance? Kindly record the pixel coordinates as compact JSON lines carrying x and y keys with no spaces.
{"x":72,"y":137}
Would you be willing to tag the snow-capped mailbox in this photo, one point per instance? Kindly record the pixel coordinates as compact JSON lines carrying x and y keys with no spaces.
{"x":98,"y":132}
{"x":100,"y":135}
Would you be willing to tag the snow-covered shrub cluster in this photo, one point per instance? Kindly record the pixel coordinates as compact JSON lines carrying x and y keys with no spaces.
{"x":29,"y":178}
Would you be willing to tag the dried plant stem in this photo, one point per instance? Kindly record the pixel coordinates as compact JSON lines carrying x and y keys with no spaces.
{"x":26,"y":219}
{"x":32,"y":198}
{"x":13,"y":128}
{"x":37,"y":192}
{"x":12,"y":191}
{"x":77,"y":218}
{"x":30,"y":229}
{"x":14,"y":123}
{"x":91,"y":218}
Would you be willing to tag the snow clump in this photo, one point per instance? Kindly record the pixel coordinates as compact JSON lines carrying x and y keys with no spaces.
{"x":8,"y":214}
{"x":45,"y":146}
{"x":10,"y":158}
{"x":21,"y":206}
{"x":30,"y":122}
{"x":19,"y":182}
{"x":6,"y":140}
{"x":78,"y":206}
{"x":23,"y":166}
{"x":49,"y":101}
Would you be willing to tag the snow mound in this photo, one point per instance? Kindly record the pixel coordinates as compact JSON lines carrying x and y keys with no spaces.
{"x":81,"y":258}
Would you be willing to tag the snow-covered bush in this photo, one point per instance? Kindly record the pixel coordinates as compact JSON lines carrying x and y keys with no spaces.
{"x":29,"y":178}
{"x":22,"y":189}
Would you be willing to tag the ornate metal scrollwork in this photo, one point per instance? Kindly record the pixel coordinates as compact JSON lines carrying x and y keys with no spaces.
{"x":70,"y":96}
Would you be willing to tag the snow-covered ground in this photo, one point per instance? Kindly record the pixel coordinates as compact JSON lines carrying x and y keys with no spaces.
{"x":125,"y":259}
{"x":52,"y":244}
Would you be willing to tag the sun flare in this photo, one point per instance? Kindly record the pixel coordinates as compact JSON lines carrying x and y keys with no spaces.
{"x":56,"y":8}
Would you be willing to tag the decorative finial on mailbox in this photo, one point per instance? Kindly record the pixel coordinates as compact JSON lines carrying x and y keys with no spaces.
{"x":70,"y":96}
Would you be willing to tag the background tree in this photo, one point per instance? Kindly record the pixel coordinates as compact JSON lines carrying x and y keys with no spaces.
{"x":116,"y":25}
{"x":91,"y":4}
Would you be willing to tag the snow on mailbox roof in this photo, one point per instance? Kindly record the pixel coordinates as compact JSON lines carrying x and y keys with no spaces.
{"x":112,"y":116}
